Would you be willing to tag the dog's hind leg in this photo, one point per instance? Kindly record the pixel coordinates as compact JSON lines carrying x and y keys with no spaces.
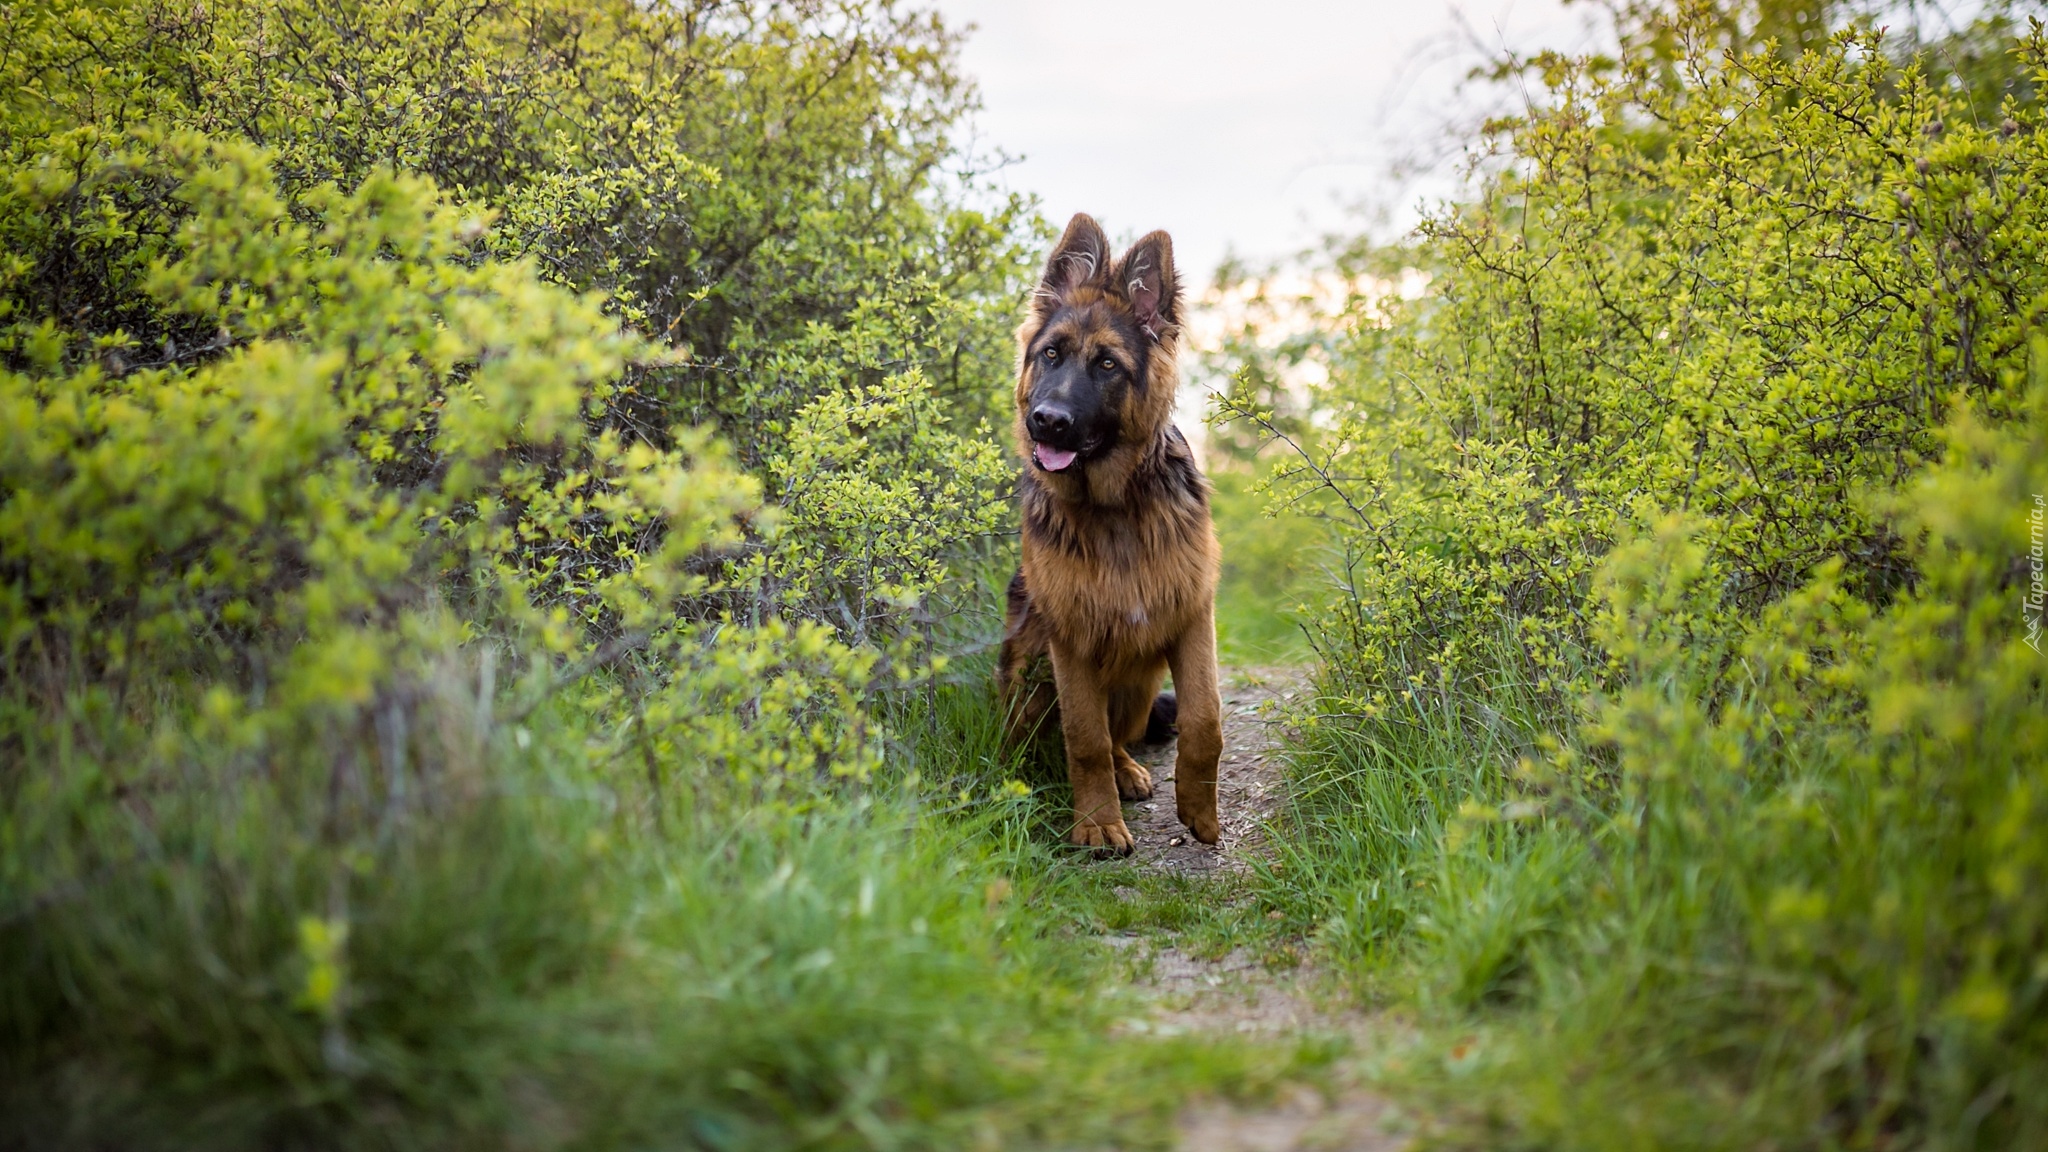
{"x":1130,"y":709}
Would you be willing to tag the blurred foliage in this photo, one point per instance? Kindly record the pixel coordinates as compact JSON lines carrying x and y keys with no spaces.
{"x":1272,"y":573}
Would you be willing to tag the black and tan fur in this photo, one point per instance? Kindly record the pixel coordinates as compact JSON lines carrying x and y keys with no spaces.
{"x":1118,"y":581}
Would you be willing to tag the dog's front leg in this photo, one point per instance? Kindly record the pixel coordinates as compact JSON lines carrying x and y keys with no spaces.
{"x":1193,"y":660}
{"x":1084,"y":721}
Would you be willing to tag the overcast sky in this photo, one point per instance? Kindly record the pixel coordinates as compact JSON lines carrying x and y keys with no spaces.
{"x":1241,"y":125}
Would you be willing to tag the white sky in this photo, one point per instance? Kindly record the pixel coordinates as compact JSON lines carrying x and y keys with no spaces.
{"x":1240,"y":125}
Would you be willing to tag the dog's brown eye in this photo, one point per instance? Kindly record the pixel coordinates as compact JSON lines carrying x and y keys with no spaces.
{"x":1052,"y":355}
{"x":1108,"y":365}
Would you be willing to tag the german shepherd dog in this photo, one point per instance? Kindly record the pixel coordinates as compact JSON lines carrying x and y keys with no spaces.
{"x":1118,"y":581}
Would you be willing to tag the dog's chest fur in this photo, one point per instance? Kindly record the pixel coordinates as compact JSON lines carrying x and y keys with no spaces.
{"x":1122,"y":580}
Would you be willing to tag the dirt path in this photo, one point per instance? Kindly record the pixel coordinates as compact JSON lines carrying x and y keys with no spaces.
{"x":1248,"y":780}
{"x":1235,"y":993}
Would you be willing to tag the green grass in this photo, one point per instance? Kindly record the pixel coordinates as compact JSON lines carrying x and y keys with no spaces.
{"x":1533,"y":1029}
{"x":535,"y":958}
{"x":1725,"y":901}
{"x":1377,"y":792}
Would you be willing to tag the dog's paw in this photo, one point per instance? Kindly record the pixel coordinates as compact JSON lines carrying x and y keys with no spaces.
{"x":1133,"y":780}
{"x":1110,"y":839}
{"x":1203,"y":824}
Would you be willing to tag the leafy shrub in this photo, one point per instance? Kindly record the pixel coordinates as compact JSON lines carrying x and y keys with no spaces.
{"x":1814,"y":889}
{"x":1681,"y":718}
{"x":760,"y":188}
{"x":1752,"y":293}
{"x":241,"y":728}
{"x":273,"y":487}
{"x":879,"y":499}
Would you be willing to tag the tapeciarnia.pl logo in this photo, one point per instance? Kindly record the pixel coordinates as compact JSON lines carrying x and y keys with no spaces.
{"x":2037,"y":583}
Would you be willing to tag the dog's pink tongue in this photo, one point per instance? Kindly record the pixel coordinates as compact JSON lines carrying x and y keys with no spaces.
{"x":1051,"y":459}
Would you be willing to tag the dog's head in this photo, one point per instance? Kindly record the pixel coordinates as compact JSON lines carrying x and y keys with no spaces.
{"x":1097,"y":370}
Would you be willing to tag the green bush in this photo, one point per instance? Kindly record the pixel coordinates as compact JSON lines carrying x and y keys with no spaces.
{"x":1751,"y":292}
{"x":1681,"y":720}
{"x":1808,"y":910}
{"x":768,"y":192}
{"x":1869,"y":812}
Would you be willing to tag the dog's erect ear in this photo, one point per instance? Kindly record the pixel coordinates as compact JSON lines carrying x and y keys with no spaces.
{"x":1081,"y":256}
{"x":1147,"y":279}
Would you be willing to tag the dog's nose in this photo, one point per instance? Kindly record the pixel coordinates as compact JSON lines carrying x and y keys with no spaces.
{"x":1049,"y":422}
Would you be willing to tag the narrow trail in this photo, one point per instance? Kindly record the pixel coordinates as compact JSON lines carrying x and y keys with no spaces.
{"x":1248,"y":780}
{"x":1235,"y":993}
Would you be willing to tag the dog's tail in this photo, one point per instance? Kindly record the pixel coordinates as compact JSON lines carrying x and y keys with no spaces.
{"x":1161,"y":725}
